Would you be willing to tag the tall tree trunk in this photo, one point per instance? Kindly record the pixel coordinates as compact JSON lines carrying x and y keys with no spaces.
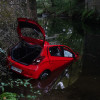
{"x":91,"y":53}
{"x":32,"y":9}
{"x":52,"y":2}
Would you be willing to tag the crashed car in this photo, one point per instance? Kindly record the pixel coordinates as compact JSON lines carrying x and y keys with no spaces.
{"x":33,"y":56}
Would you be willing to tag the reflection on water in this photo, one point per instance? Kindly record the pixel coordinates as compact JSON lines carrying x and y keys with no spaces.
{"x":58,"y":31}
{"x":87,"y":86}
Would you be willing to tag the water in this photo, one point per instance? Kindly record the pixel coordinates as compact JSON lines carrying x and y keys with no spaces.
{"x":79,"y":81}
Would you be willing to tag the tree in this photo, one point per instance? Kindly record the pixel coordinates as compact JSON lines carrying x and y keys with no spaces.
{"x":32,"y":9}
{"x":52,"y":3}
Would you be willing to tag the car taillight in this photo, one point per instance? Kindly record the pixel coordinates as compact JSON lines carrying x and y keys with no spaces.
{"x":38,"y":60}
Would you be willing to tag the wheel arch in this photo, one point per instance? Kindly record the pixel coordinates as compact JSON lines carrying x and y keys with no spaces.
{"x":48,"y":70}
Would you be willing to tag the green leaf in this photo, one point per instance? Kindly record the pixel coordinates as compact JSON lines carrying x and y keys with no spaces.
{"x":8,"y":96}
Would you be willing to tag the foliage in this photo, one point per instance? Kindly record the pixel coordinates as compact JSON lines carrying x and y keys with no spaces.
{"x":88,"y":14}
{"x":8,"y":96}
{"x":62,"y":31}
{"x":58,"y":7}
{"x":71,"y":8}
{"x":22,"y":83}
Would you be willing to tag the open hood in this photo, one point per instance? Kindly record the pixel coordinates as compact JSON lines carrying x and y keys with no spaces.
{"x":30,"y":31}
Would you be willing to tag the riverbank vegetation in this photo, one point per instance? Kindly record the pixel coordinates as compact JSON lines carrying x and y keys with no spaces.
{"x":61,"y":7}
{"x":69,"y":9}
{"x":73,"y":9}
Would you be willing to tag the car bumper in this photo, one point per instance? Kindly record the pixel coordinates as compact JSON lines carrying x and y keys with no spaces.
{"x":27,"y":71}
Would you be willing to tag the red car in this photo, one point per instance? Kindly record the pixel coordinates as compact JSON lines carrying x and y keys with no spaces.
{"x":32,"y":56}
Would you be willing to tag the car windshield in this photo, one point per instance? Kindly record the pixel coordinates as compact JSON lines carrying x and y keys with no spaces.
{"x":30,"y":32}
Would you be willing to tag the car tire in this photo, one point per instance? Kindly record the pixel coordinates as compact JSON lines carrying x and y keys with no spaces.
{"x":44,"y":75}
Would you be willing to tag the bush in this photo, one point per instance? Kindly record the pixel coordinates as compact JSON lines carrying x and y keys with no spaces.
{"x":8,"y":96}
{"x":88,"y":14}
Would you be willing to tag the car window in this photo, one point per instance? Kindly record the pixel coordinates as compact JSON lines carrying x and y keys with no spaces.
{"x":55,"y":51}
{"x":67,"y":54}
{"x":30,"y":30}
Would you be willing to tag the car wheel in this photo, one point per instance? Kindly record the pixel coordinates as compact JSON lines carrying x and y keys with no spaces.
{"x":44,"y":75}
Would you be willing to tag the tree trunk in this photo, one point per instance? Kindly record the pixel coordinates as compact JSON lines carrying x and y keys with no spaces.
{"x":52,"y":2}
{"x":91,"y":55}
{"x":32,"y":9}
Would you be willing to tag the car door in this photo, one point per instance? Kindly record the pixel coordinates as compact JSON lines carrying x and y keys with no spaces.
{"x":58,"y":56}
{"x":67,"y":55}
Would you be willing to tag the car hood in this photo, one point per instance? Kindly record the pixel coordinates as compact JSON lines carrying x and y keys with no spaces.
{"x":30,"y":31}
